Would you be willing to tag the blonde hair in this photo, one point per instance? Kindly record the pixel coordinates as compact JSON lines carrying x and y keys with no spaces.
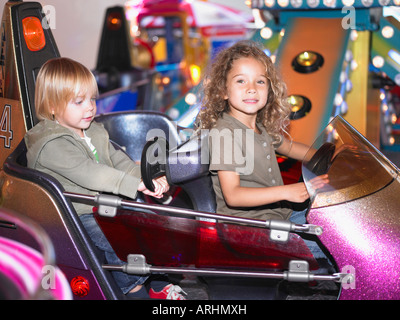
{"x":274,"y":116}
{"x":59,"y":81}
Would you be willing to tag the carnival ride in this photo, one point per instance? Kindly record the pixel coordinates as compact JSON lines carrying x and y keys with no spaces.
{"x":26,"y":45}
{"x":226,"y":252}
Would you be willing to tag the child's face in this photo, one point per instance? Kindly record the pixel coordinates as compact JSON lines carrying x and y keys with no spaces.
{"x":246,"y":88}
{"x":78,"y":114}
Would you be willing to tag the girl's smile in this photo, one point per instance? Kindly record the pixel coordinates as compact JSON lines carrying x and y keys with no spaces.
{"x":250,"y":101}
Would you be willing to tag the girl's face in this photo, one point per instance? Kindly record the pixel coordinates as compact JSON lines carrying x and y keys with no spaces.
{"x":246,"y":88}
{"x":78,"y":114}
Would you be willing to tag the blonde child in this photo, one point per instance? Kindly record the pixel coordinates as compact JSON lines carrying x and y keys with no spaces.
{"x":69,"y":146}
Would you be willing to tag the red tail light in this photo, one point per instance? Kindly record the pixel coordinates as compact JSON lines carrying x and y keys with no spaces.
{"x":33,"y":33}
{"x":80,"y":286}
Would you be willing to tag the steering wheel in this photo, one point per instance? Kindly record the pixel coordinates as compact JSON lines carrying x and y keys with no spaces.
{"x":321,"y":161}
{"x":154,"y":161}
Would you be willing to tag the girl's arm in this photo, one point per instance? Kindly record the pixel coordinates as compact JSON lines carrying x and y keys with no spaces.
{"x":293,"y":149}
{"x":238,"y":196}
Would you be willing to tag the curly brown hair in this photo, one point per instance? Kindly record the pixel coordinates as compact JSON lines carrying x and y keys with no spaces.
{"x":274,"y":116}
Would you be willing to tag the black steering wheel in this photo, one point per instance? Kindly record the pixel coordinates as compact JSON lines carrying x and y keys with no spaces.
{"x":154,"y":161}
{"x":322,"y":160}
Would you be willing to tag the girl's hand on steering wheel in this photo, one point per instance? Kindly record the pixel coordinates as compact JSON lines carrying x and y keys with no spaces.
{"x":319,"y":182}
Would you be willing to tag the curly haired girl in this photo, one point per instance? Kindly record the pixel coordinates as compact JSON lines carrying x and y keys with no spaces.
{"x":245,"y":108}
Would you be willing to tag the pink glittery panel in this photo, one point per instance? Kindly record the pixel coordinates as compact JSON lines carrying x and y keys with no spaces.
{"x":363,"y":235}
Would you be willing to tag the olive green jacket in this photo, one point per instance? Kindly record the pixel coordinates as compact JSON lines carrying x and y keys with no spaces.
{"x":61,"y":153}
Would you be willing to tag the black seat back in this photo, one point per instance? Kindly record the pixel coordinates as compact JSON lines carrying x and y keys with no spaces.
{"x":131,"y":130}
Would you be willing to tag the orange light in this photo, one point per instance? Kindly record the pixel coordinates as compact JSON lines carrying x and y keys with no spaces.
{"x":165,"y":80}
{"x":114,"y":21}
{"x":80,"y":286}
{"x":195,"y":73}
{"x":33,"y":33}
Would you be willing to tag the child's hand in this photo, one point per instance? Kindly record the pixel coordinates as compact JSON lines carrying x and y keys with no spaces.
{"x":160,"y":187}
{"x":319,"y":182}
{"x":297,"y":192}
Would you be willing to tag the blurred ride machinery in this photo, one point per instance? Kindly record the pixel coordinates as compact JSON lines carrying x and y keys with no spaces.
{"x":337,"y":58}
{"x":173,"y":40}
